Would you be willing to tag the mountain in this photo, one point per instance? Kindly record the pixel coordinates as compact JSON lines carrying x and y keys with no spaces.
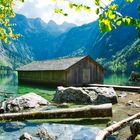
{"x":64,"y":27}
{"x":35,"y":34}
{"x":39,"y":35}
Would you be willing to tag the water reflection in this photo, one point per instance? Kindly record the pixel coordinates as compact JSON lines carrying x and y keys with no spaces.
{"x":8,"y":85}
{"x":119,"y":79}
{"x":13,"y":130}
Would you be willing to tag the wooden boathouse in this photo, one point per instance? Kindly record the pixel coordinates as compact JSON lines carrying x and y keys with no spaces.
{"x":70,"y":71}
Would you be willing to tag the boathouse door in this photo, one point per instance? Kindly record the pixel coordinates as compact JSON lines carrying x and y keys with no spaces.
{"x":86,"y":76}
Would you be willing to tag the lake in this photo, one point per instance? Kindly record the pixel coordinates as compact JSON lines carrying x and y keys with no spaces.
{"x":73,"y":130}
{"x":9,"y":85}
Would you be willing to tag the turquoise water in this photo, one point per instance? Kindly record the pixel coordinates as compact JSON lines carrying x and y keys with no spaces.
{"x":13,"y":130}
{"x":119,"y":79}
{"x":9,"y":85}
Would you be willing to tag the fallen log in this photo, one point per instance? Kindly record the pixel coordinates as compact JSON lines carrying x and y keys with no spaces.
{"x":109,"y":130}
{"x":89,"y":111}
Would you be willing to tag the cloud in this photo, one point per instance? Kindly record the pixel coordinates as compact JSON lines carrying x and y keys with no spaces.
{"x":45,"y":10}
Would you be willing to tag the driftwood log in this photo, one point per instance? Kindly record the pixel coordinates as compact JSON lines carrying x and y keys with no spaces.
{"x":104,"y":110}
{"x":109,"y":130}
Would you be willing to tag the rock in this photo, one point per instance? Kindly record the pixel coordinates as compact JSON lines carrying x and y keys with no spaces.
{"x":25,"y":136}
{"x":135,"y":127}
{"x":122,"y":94}
{"x":72,"y":94}
{"x":27,"y":101}
{"x":134,"y":76}
{"x":2,"y":107}
{"x":131,"y":103}
{"x":44,"y":134}
{"x":106,"y":95}
{"x":86,"y":95}
{"x":2,"y":110}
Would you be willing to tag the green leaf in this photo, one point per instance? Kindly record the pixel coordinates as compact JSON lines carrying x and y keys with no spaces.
{"x":113,"y":7}
{"x":97,"y":2}
{"x":97,"y":11}
{"x":70,"y":5}
{"x":119,"y":22}
{"x":126,"y":20}
{"x":129,"y":0}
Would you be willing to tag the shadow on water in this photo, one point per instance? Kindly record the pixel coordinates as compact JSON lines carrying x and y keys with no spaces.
{"x":100,"y":122}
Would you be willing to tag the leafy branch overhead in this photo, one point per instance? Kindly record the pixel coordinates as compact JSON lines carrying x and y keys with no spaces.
{"x":109,"y":17}
{"x":6,"y":13}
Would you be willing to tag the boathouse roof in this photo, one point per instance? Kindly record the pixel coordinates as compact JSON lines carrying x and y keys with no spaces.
{"x":52,"y":64}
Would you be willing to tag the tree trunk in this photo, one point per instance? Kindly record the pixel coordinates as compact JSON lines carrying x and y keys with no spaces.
{"x":109,"y":130}
{"x":104,"y":110}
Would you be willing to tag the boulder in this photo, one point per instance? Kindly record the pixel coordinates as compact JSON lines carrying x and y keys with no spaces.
{"x":106,"y":95}
{"x":122,"y":94}
{"x":27,"y":101}
{"x":72,"y":94}
{"x":25,"y":136}
{"x":86,"y":95}
{"x":135,"y":127}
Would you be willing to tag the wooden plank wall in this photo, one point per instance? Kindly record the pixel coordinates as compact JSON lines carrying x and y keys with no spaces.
{"x":75,"y":73}
{"x":48,"y":77}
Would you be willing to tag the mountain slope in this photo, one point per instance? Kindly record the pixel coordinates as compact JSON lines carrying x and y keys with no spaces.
{"x":14,"y":55}
{"x":38,"y":35}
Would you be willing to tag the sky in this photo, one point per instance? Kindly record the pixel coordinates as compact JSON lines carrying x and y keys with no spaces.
{"x":44,"y":9}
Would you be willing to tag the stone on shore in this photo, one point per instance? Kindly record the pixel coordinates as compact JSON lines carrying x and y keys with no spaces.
{"x":132,"y":104}
{"x":86,"y":95}
{"x":25,"y":136}
{"x":27,"y":101}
